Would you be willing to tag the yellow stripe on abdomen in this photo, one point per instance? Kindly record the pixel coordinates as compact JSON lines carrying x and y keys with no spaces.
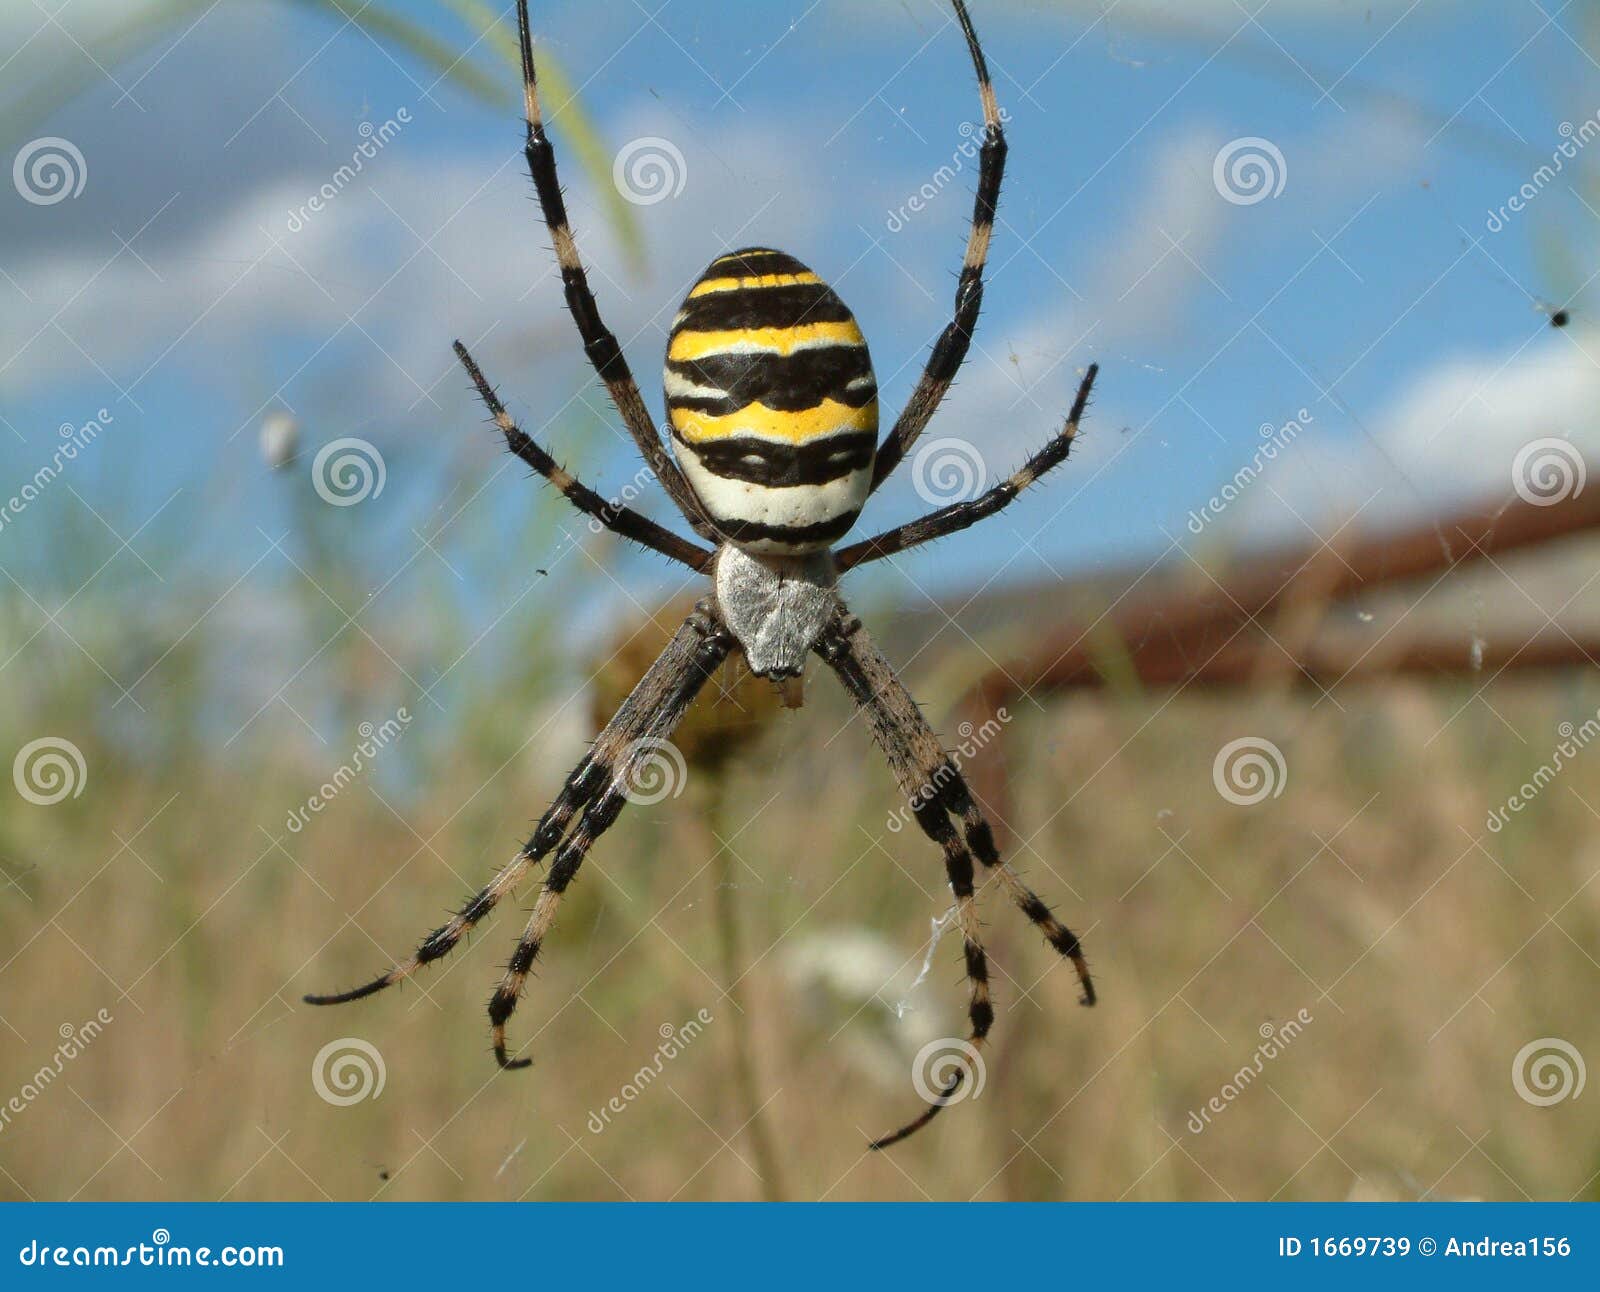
{"x":687,"y":346}
{"x":708,"y":285}
{"x":769,"y":424}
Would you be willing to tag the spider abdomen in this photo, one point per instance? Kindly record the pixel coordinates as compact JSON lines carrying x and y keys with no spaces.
{"x":772,"y":403}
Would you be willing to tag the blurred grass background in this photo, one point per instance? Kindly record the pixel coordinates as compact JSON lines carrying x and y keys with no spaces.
{"x":1426,"y":962}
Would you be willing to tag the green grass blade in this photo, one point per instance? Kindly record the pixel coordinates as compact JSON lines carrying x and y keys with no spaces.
{"x":58,"y":81}
{"x":421,"y":44}
{"x":561,"y":103}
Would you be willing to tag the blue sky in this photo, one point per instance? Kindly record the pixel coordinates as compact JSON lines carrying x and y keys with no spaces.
{"x":1366,"y":292}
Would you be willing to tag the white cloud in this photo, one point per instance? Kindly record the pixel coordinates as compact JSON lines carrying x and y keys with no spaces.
{"x":1144,"y":280}
{"x":354,"y":274}
{"x":1451,"y":436}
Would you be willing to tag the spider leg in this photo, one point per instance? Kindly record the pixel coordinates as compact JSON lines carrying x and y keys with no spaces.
{"x":614,"y":516}
{"x":951,"y":348}
{"x":579,"y":789}
{"x":847,"y":650}
{"x":935,"y":787}
{"x":980,"y":838}
{"x":691,"y":657}
{"x":959,"y":515}
{"x":599,"y":343}
{"x":658,"y":703}
{"x":937,"y":778}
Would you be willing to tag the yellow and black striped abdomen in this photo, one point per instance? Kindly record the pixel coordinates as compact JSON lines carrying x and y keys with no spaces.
{"x":772,"y":402}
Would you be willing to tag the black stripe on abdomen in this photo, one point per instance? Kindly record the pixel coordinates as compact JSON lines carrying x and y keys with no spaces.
{"x":745,"y":307}
{"x":749,"y":262}
{"x":780,"y":466}
{"x":751,"y":531}
{"x":787,"y":383}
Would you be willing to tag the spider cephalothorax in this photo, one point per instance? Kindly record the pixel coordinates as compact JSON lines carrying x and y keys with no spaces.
{"x":773,"y":411}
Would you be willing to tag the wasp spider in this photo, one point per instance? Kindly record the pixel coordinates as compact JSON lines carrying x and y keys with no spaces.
{"x":773,"y":413}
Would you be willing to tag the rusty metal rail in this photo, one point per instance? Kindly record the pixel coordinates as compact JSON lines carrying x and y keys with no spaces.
{"x":1266,"y":619}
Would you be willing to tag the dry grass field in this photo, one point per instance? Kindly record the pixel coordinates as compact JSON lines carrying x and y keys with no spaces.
{"x":1416,"y":952}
